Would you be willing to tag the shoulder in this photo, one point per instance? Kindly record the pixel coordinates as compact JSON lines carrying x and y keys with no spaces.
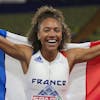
{"x":71,"y":56}
{"x":76,"y":55}
{"x":26,"y":50}
{"x":63,"y":53}
{"x":68,"y":53}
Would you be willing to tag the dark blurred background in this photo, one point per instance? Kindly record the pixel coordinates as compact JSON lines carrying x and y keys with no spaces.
{"x":82,"y":16}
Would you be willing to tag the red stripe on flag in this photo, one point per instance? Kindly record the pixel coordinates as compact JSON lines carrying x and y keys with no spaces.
{"x":93,"y":77}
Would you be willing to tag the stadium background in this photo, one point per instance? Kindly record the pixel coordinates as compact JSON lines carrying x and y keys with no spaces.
{"x":82,"y":16}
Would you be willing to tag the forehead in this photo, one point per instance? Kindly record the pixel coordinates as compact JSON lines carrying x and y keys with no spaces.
{"x":48,"y":22}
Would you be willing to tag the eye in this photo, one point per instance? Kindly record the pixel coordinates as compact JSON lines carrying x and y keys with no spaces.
{"x":57,"y":30}
{"x":46,"y":29}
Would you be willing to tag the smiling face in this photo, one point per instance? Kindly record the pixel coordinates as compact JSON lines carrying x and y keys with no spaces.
{"x":50,"y":34}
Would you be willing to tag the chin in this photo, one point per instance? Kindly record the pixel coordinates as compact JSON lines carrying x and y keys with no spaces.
{"x":52,"y":49}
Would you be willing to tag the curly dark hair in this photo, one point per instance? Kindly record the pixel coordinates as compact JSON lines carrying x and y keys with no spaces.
{"x":41,"y":14}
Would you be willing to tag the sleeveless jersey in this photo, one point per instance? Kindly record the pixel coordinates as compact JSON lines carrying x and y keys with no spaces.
{"x":47,"y":80}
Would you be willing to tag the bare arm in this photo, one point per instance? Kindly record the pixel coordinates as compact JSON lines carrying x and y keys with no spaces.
{"x":79,"y":55}
{"x":11,"y":49}
{"x":20,"y":52}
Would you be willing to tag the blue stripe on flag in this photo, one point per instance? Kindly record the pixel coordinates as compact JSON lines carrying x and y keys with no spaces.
{"x":2,"y":76}
{"x":2,"y":70}
{"x":3,"y":32}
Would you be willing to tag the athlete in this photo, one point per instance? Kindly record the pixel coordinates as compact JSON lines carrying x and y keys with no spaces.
{"x":45,"y":65}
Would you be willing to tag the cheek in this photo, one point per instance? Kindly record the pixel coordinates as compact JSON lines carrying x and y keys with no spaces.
{"x":60,"y":36}
{"x":42,"y":39}
{"x":41,"y":36}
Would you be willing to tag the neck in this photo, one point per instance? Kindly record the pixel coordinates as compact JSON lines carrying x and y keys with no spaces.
{"x":49,"y":55}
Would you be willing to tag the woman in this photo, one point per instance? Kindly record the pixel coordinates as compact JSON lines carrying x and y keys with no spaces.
{"x":45,"y":65}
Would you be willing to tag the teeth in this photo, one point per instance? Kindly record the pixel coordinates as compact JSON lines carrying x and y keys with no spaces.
{"x":51,"y":41}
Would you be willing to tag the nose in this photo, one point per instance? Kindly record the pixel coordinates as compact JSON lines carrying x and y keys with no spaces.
{"x":52,"y":33}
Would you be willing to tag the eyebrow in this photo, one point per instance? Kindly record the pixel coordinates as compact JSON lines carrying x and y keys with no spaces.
{"x":53,"y":27}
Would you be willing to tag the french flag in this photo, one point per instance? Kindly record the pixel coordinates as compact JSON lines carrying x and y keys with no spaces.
{"x":11,"y":74}
{"x":84,"y":81}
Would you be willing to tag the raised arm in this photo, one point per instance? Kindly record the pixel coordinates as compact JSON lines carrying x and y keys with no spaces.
{"x":79,"y":55}
{"x":20,"y":52}
{"x":11,"y":49}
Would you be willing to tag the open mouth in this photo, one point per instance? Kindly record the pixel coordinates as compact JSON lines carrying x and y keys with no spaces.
{"x":52,"y":41}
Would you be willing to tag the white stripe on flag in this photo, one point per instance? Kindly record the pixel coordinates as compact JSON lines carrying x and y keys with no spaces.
{"x":14,"y":73}
{"x":77,"y":80}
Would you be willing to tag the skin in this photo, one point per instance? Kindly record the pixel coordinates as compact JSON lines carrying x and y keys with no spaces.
{"x":50,"y":29}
